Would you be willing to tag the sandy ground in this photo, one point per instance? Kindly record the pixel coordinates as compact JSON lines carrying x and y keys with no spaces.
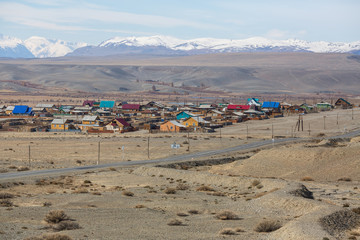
{"x":255,"y":189}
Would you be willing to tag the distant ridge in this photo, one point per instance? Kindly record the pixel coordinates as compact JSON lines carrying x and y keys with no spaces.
{"x":39,"y":47}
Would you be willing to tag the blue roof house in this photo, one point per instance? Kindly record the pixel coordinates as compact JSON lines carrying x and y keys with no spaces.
{"x":271,"y":105}
{"x":22,"y":110}
{"x":185,"y":115}
{"x":107,"y":104}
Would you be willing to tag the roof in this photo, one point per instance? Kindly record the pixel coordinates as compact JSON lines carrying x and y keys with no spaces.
{"x":239,"y":113}
{"x":199,"y":120}
{"x":176,"y":123}
{"x":188,"y":113}
{"x":122,"y":121}
{"x":238,"y":107}
{"x":59,"y":121}
{"x":217,"y":111}
{"x":10,"y":108}
{"x":88,"y":102}
{"x":89,"y":118}
{"x":107,"y":104}
{"x":131,"y":106}
{"x":341,"y":99}
{"x":205,"y":106}
{"x":38,"y":109}
{"x":271,"y":105}
{"x":21,"y":109}
{"x":44,"y":105}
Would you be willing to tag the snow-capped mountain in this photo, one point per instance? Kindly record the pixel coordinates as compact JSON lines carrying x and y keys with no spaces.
{"x":43,"y":48}
{"x":163,"y":45}
{"x":40,"y":47}
{"x":35,"y":47}
{"x":13,"y":48}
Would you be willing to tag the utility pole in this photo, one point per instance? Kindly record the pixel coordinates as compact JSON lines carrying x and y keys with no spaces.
{"x":220,"y":133}
{"x":324,"y":122}
{"x":29,"y":156}
{"x":188,"y":142}
{"x":272,"y":131}
{"x":148,"y":147}
{"x":309,"y":129}
{"x":98,"y":161}
{"x":247,"y":131}
{"x":337,"y":119}
{"x":352,"y":114}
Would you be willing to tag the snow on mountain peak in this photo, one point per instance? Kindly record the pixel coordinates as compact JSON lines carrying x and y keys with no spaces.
{"x":9,"y":42}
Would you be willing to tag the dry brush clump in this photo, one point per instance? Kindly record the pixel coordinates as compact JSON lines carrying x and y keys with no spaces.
{"x":6,"y":203}
{"x":56,"y":216}
{"x":65,"y":225}
{"x":205,"y":189}
{"x":227,"y":215}
{"x":182,"y":186}
{"x":307,"y":179}
{"x":127,"y":193}
{"x":6,"y":195}
{"x":170,"y":191}
{"x":175,"y":222}
{"x":50,"y":237}
{"x":340,"y":221}
{"x":267,"y":226}
{"x":227,"y":231}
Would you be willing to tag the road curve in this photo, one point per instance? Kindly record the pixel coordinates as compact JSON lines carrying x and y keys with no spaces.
{"x":20,"y":175}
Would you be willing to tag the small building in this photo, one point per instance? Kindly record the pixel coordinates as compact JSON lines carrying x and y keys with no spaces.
{"x":119,"y":125}
{"x":342,"y":103}
{"x":90,"y":120}
{"x":324,"y":106}
{"x":22,"y":110}
{"x":58,"y":125}
{"x":185,"y":115}
{"x":48,"y":106}
{"x":237,"y":107}
{"x":195,"y":122}
{"x":107,"y":104}
{"x":172,"y":126}
{"x":88,"y":103}
{"x":9,"y":110}
{"x":130,"y":107}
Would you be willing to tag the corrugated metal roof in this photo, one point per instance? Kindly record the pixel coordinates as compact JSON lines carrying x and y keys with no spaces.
{"x":123,"y":122}
{"x":59,"y":121}
{"x":44,"y":105}
{"x":21,"y":109}
{"x":89,"y":118}
{"x":271,"y":105}
{"x":131,"y":106}
{"x":238,"y":107}
{"x":10,"y":108}
{"x":176,"y":123}
{"x":107,"y":104}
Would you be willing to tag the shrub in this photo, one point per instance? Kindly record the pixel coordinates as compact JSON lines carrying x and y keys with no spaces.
{"x":22,"y":168}
{"x":51,"y":237}
{"x":182,"y":186}
{"x":47,"y":204}
{"x":181,"y":214}
{"x":205,"y":189}
{"x":6,"y":203}
{"x":193,"y":211}
{"x":226,"y":215}
{"x":87,"y":181}
{"x":170,"y":191}
{"x":56,"y":216}
{"x":227,"y":231}
{"x":139,"y":206}
{"x":307,"y":178}
{"x":128,"y":193}
{"x":267,"y":226}
{"x":6,"y":195}
{"x":339,"y":221}
{"x":345,"y":179}
{"x":356,"y":210}
{"x":255,"y":183}
{"x":81,"y":190}
{"x":65,"y":225}
{"x":175,"y":222}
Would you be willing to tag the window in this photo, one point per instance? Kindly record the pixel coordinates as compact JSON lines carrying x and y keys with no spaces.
{"x":171,"y":127}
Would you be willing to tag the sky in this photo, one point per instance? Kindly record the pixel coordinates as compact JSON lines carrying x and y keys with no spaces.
{"x":94,"y":21}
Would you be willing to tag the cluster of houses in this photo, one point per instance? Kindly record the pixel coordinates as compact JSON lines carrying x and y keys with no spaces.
{"x":111,"y":117}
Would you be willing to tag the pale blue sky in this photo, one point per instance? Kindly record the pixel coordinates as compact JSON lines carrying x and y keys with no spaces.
{"x":94,"y":21}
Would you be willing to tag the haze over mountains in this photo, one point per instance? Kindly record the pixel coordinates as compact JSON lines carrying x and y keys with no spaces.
{"x":38,"y":47}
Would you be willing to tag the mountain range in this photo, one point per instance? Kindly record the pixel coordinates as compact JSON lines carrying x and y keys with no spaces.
{"x":39,"y":47}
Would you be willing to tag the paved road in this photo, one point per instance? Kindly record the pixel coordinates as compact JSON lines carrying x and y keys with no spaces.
{"x":21,"y":175}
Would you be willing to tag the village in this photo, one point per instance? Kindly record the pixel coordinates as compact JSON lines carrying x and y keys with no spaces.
{"x":120,"y":117}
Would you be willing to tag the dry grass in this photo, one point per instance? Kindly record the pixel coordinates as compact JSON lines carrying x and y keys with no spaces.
{"x":255,"y":183}
{"x":65,"y":225}
{"x":81,"y":190}
{"x":182,"y":186}
{"x":267,"y":226}
{"x":50,"y":237}
{"x":170,"y":191}
{"x":6,"y":203}
{"x":205,"y":189}
{"x":56,"y":216}
{"x":227,"y":231}
{"x":356,"y":210}
{"x":127,"y":193}
{"x":6,"y":195}
{"x":345,"y":179}
{"x":193,"y":211}
{"x":181,"y":214}
{"x":139,"y":206}
{"x":307,"y":179}
{"x":175,"y":222}
{"x":227,"y":215}
{"x":340,"y":221}
{"x":22,"y":168}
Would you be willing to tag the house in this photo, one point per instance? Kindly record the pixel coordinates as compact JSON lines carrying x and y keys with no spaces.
{"x":324,"y":106}
{"x":22,"y":110}
{"x":195,"y":122}
{"x":90,"y":120}
{"x":88,"y":103}
{"x":185,"y":115}
{"x":236,"y":107}
{"x":107,"y":104}
{"x":153,"y":104}
{"x":48,"y":107}
{"x":342,"y":103}
{"x":9,"y":110}
{"x":253,"y":102}
{"x":119,"y":125}
{"x":308,"y":108}
{"x":270,"y":105}
{"x":172,"y":126}
{"x":131,"y":107}
{"x":58,"y":125}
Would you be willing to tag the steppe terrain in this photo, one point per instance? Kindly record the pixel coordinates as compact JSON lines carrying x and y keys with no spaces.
{"x":142,"y":202}
{"x":256,"y":73}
